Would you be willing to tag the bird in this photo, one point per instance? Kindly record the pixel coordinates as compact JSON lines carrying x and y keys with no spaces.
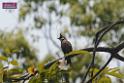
{"x":66,"y":47}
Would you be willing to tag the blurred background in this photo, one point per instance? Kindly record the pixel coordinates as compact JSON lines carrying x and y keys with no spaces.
{"x":29,"y":33}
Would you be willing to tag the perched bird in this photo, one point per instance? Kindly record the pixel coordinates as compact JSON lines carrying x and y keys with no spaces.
{"x":65,"y":46}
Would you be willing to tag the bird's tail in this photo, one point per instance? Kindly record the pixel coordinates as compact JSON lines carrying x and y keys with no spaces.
{"x":69,"y":61}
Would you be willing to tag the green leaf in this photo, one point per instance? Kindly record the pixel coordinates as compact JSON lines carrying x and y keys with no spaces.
{"x":114,"y":69}
{"x":40,"y":68}
{"x":15,"y":50}
{"x":15,"y":70}
{"x":110,"y":71}
{"x":116,"y":74}
{"x":16,"y":76}
{"x":52,"y":71}
{"x":102,"y":73}
{"x":36,"y":79}
{"x":1,"y":75}
{"x":104,"y":79}
{"x":7,"y":51}
{"x":14,"y":62}
{"x":77,"y":52}
{"x":4,"y":58}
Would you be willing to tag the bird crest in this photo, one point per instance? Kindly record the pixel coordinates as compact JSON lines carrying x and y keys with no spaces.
{"x":61,"y":37}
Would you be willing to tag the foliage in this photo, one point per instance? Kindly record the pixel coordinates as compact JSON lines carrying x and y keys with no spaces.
{"x":54,"y":73}
{"x":104,"y":75}
{"x":86,"y":15}
{"x":15,"y":45}
{"x":86,"y":18}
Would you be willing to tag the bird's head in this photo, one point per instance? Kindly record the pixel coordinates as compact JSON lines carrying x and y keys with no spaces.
{"x":61,"y":37}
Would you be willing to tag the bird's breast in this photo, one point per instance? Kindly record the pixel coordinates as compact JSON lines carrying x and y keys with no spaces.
{"x":66,"y":47}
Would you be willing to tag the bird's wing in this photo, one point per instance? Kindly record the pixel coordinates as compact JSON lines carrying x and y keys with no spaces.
{"x":66,"y":47}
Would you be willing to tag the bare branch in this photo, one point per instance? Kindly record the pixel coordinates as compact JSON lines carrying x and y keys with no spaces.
{"x":100,"y":70}
{"x":119,"y":47}
{"x":98,"y":38}
{"x":99,"y":49}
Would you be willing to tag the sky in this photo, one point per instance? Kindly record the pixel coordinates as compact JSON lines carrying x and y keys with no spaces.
{"x":9,"y":20}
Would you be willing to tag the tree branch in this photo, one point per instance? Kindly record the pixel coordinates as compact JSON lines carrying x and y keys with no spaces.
{"x":100,"y":70}
{"x":23,"y":78}
{"x":119,"y":47}
{"x":98,"y":38}
{"x":99,"y":49}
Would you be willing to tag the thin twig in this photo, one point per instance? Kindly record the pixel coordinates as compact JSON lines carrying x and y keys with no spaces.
{"x":100,"y":70}
{"x":98,"y":38}
{"x":23,"y":78}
